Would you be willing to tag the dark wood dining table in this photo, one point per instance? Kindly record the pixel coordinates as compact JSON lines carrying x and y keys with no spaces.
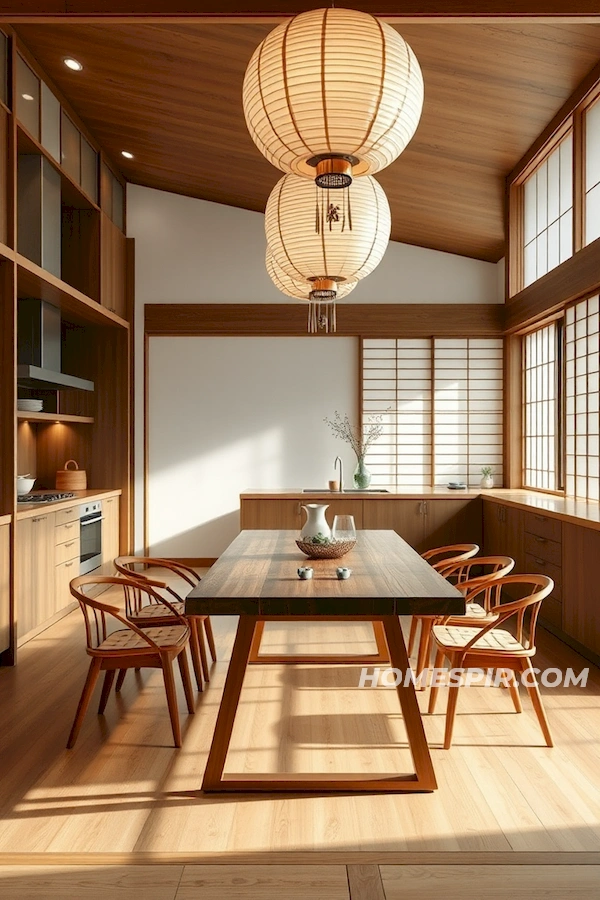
{"x":256,"y":579}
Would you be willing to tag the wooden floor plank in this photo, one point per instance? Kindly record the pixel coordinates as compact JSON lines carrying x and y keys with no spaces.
{"x":492,"y":882}
{"x":90,"y":883}
{"x":365,"y":883}
{"x":263,"y":883}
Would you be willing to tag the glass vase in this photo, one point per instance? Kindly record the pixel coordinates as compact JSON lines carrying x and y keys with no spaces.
{"x":362,"y":476}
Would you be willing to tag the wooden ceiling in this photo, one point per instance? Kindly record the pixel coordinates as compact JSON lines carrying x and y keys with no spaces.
{"x":171,"y":94}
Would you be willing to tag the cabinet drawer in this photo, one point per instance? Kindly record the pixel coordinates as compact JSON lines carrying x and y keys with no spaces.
{"x":67,"y":515}
{"x":544,"y":548}
{"x":551,"y":611}
{"x":66,"y":532}
{"x":544,"y":526}
{"x":537,"y":566}
{"x":68,"y":550}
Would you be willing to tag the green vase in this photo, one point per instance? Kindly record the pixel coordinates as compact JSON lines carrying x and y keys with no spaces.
{"x":362,"y":476}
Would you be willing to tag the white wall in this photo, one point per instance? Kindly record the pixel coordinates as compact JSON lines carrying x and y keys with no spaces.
{"x":233,"y":413}
{"x":192,"y":251}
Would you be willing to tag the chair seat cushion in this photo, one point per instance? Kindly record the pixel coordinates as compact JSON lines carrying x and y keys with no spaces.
{"x":157,"y":611}
{"x":126,"y":640}
{"x":453,"y":637}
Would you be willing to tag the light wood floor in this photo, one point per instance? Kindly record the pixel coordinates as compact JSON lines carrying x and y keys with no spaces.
{"x":125,"y":790}
{"x":274,"y":882}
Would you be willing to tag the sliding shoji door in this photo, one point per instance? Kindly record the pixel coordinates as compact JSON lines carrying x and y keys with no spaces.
{"x":397,"y":386}
{"x":467,"y":409}
{"x":441,"y":405}
{"x":582,"y":426}
{"x":541,"y":372}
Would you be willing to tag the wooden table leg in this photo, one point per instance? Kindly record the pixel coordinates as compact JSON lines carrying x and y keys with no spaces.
{"x":229,"y":703}
{"x":410,"y":708}
{"x":423,"y":778}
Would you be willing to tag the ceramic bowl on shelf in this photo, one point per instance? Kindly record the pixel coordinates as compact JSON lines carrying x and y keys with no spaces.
{"x":30,"y":405}
{"x":24,"y":484}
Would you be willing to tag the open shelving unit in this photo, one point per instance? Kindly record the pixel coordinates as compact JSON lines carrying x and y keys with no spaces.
{"x":87,"y":276}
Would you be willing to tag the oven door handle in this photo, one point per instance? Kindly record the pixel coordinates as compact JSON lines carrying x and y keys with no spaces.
{"x":91,"y":521}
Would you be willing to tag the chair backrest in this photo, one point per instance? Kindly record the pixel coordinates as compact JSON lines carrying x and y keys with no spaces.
{"x":127,"y":565}
{"x":450,"y":554}
{"x":97,"y":614}
{"x":540,"y":587}
{"x":497,"y":566}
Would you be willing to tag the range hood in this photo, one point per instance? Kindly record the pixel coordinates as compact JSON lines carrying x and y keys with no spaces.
{"x":39,"y":349}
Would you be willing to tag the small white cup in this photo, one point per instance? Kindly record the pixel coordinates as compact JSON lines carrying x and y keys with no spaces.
{"x":305,"y":573}
{"x":343,"y":572}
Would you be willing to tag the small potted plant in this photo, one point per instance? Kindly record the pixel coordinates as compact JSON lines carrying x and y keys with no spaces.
{"x":487,"y":480}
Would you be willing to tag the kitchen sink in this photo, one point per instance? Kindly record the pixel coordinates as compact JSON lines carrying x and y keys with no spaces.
{"x":346,"y":491}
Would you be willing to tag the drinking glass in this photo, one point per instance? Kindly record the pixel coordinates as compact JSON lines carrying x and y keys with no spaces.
{"x":344,"y":528}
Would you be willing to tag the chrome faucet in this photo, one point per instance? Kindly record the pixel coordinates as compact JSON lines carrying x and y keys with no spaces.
{"x":338,"y":460}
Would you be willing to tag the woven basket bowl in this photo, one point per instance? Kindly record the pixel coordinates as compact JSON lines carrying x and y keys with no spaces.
{"x":326,"y":551}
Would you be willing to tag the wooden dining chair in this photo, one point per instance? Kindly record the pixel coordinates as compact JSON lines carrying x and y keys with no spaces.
{"x":451,"y":553}
{"x":140,"y":614}
{"x":460,"y":572}
{"x":127,"y":648}
{"x":492,"y":647}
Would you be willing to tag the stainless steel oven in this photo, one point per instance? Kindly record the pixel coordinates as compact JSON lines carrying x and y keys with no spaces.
{"x":90,"y":531}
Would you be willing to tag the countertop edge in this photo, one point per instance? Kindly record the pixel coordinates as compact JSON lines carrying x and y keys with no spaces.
{"x":79,"y":498}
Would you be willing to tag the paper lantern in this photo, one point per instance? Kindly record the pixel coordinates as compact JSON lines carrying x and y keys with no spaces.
{"x":323,"y":241}
{"x":321,"y":313}
{"x":332,"y":93}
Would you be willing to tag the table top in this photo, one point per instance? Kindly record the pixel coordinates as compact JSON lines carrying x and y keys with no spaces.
{"x":257,"y":575}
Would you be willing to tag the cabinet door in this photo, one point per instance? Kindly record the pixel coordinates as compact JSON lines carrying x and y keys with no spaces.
{"x":112,"y":270}
{"x":269,"y":513}
{"x":452,"y":522}
{"x":581,"y":585}
{"x":514,"y":537}
{"x":494,"y":534}
{"x":4,"y":587}
{"x":35,"y":587}
{"x":344,"y":507}
{"x":110,"y":534}
{"x":405,"y":517}
{"x":63,"y":575}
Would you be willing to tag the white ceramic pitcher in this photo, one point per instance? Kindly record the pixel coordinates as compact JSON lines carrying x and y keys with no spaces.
{"x":316,"y":523}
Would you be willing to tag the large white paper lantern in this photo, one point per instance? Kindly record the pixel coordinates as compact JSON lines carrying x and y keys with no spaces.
{"x":328,"y":239}
{"x":332,"y":93}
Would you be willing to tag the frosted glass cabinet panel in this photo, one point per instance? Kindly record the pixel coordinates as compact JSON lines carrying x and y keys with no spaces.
{"x":28,"y":98}
{"x":50,"y":122}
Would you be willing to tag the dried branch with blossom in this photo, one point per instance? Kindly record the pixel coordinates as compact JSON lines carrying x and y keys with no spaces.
{"x":359,"y":440}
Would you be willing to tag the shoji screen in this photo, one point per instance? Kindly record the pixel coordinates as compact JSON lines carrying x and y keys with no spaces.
{"x":582,"y":346}
{"x":541,"y":379}
{"x":467,"y":409}
{"x":548,"y":213}
{"x":397,"y":385}
{"x":441,"y":401}
{"x":592,"y":173}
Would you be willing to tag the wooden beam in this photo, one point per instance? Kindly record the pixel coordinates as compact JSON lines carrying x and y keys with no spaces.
{"x":276,"y":10}
{"x":360,"y":319}
{"x":576,"y":277}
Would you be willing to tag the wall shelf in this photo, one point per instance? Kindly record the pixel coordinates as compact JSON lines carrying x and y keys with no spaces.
{"x":23,"y":415}
{"x":33,"y":281}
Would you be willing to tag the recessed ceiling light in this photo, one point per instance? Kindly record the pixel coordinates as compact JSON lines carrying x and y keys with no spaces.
{"x":27,"y":97}
{"x":126,"y":154}
{"x":72,"y":64}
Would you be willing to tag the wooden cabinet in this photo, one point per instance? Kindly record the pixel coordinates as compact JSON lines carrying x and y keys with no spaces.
{"x":34,"y":572}
{"x":426,"y":524}
{"x":67,"y":552}
{"x":4,"y":587}
{"x":272,"y":512}
{"x":503,"y":533}
{"x":581,"y":585}
{"x":405,"y":517}
{"x":110,"y":534}
{"x":113,"y":267}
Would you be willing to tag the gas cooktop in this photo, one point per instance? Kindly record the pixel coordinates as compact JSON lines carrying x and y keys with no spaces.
{"x":44,"y":497}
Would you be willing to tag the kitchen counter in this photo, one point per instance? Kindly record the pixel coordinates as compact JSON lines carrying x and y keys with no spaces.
{"x":27,"y":510}
{"x":579,"y":512}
